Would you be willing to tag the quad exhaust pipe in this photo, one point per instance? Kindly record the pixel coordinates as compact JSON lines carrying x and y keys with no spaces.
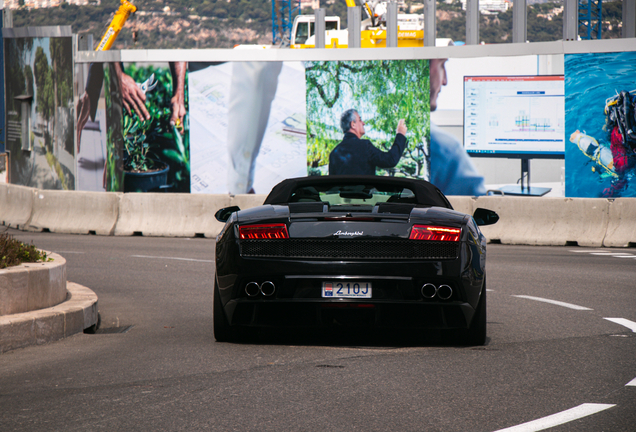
{"x":252,"y":289}
{"x":429,"y":291}
{"x":267,"y":288}
{"x":442,"y":292}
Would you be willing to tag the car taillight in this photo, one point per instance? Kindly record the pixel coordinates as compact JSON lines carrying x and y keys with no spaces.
{"x":435,"y":233}
{"x":263,"y":232}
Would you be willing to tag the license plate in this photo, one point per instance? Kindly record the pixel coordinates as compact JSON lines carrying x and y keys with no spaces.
{"x":346,"y":289}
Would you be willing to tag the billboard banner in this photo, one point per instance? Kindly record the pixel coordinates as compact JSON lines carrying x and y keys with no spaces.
{"x":39,"y":107}
{"x":243,"y":126}
{"x":91,"y":128}
{"x":254,"y":124}
{"x":382,"y":93}
{"x":452,"y":170}
{"x":600,"y":100}
{"x":2,"y":128}
{"x":132,"y":123}
{"x":248,"y":125}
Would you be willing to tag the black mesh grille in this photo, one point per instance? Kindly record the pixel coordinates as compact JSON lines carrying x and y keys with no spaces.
{"x":351,"y":249}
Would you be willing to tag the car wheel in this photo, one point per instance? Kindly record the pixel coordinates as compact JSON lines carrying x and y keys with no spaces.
{"x":222,"y":330}
{"x":476,"y":334}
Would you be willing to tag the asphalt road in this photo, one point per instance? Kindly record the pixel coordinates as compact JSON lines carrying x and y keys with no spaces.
{"x":155,"y":364}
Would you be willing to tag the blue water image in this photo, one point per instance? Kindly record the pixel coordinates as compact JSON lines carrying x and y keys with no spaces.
{"x":589,"y":80}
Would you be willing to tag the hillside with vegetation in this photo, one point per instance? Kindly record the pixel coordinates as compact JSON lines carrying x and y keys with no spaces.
{"x":545,"y":23}
{"x":225,"y":23}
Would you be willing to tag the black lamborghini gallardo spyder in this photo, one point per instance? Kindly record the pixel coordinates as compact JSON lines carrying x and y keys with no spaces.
{"x":381,"y":252}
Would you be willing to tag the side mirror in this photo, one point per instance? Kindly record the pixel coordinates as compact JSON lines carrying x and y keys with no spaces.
{"x":485,"y":217}
{"x":224,"y":214}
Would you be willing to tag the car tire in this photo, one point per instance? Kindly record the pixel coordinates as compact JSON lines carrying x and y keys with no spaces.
{"x":222,"y":330}
{"x":476,"y":334}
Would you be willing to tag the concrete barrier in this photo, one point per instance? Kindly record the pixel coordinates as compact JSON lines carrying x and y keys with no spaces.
{"x":32,"y":286}
{"x":523,"y":220}
{"x":170,"y":215}
{"x":464,"y":204}
{"x":16,"y":205}
{"x":621,"y":231}
{"x":74,"y":212}
{"x":547,"y":221}
{"x":247,"y":200}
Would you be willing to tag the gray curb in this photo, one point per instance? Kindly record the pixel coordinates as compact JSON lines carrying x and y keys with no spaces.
{"x":72,"y":316}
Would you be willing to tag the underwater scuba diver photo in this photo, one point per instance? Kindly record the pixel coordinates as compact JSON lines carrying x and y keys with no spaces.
{"x":600,"y":121}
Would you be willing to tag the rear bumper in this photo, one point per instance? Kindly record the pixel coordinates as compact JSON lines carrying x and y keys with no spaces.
{"x":302,"y":279}
{"x":397,"y":300}
{"x":320,"y":313}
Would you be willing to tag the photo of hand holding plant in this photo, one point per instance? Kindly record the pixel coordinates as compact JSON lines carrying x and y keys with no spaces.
{"x":155,"y":136}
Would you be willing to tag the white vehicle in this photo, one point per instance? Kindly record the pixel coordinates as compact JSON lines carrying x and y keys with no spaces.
{"x":373,"y":29}
{"x":304,"y":28}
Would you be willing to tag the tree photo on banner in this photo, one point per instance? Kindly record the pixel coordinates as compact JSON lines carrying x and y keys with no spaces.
{"x":39,"y":85}
{"x":382,"y":92}
{"x":600,"y":102}
{"x":2,"y":118}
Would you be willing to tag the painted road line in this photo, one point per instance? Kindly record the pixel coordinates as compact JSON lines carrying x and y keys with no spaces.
{"x":68,"y":252}
{"x":606,"y":253}
{"x":624,"y":322}
{"x":172,"y":258}
{"x":567,"y":416}
{"x":632,"y":383}
{"x":554,"y":302}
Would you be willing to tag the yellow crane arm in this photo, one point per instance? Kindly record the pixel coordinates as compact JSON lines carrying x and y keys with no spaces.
{"x":123,"y":13}
{"x":365,"y":6}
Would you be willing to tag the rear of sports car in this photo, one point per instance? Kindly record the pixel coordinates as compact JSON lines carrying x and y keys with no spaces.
{"x":377,"y":265}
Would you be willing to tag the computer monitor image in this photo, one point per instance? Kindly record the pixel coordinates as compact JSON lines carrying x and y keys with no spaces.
{"x":515,"y":117}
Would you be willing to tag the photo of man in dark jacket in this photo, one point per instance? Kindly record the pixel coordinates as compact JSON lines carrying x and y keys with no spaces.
{"x":355,"y":156}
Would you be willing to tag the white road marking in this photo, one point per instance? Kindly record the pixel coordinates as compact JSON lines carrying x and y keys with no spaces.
{"x":632,"y":383}
{"x":554,"y":302}
{"x":600,"y":252}
{"x":616,"y":254}
{"x":172,"y":258}
{"x":567,"y":416}
{"x":624,"y":322}
{"x":68,"y":252}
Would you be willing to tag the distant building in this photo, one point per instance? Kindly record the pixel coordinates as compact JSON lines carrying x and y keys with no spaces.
{"x":36,"y":4}
{"x":314,"y":4}
{"x":491,"y":6}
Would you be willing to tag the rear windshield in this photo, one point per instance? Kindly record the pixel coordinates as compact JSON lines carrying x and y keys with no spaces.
{"x":353,"y":194}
